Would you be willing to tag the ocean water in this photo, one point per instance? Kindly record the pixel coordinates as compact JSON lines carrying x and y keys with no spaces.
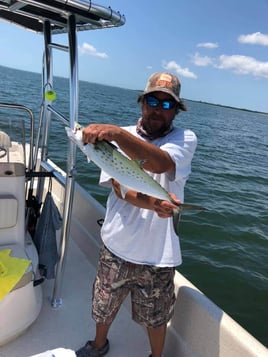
{"x":225,"y":249}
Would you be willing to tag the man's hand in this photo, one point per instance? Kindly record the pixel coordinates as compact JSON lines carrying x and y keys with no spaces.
{"x":117,"y":189}
{"x":98,"y":132}
{"x":165,"y":209}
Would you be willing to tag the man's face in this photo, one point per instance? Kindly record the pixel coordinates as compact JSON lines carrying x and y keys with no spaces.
{"x":156,"y":120}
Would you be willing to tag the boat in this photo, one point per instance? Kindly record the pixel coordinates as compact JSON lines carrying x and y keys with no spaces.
{"x":40,"y":315}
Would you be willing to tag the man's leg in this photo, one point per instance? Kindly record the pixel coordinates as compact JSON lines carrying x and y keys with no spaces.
{"x":107,"y":298}
{"x":157,"y":339}
{"x":99,"y":346}
{"x":153,"y":300}
{"x":101,"y":335}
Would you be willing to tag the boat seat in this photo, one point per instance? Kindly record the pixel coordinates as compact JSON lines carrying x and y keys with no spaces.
{"x":5,"y":144}
{"x":20,"y":307}
{"x":8,"y":211}
{"x":12,"y":204}
{"x":22,"y":304}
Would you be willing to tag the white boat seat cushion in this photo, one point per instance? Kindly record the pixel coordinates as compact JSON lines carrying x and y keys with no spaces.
{"x":4,"y":140}
{"x":8,"y":211}
{"x":5,"y":144}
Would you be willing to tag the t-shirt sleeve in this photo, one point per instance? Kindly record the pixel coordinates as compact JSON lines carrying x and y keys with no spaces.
{"x":181,"y":150}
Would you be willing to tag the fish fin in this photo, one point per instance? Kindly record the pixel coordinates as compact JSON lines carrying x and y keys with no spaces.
{"x":123,"y":190}
{"x":187,"y":207}
{"x":176,"y":220}
{"x":111,"y":144}
{"x":139,"y":162}
{"x":177,"y":213}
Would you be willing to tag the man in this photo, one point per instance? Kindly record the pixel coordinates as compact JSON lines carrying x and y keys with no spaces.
{"x":141,"y":250}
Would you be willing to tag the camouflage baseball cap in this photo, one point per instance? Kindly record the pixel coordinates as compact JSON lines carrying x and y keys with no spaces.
{"x":165,"y":82}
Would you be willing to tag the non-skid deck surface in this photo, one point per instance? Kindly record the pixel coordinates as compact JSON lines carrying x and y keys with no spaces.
{"x":71,"y":325}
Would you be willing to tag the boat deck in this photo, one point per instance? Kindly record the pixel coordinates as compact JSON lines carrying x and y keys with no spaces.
{"x":71,"y":325}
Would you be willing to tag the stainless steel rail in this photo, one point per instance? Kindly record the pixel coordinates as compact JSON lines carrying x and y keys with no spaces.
{"x":31,"y":116}
{"x":69,"y":188}
{"x":43,"y":135}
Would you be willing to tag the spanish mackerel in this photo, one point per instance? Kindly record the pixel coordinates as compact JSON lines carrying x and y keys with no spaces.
{"x":127,"y":172}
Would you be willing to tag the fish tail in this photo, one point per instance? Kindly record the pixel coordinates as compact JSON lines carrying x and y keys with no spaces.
{"x":176,"y":220}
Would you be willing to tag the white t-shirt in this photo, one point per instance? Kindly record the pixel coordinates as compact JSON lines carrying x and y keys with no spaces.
{"x":138,"y":235}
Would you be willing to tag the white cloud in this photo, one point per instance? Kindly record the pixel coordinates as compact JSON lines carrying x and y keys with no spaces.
{"x":208,"y":44}
{"x":87,"y":49}
{"x":256,"y":38}
{"x":244,"y":65}
{"x":173,"y":66}
{"x":201,"y":61}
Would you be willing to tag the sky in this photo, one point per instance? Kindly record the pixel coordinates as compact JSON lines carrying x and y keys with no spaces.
{"x":218,"y":49}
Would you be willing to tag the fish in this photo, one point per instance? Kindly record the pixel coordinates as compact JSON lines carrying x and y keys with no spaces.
{"x":127,"y":172}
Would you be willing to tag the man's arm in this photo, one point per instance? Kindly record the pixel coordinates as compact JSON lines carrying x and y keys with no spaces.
{"x":163,"y":208}
{"x":155,"y":159}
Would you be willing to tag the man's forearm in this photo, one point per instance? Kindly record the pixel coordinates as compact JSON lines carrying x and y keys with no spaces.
{"x":163,"y":208}
{"x":155,"y":159}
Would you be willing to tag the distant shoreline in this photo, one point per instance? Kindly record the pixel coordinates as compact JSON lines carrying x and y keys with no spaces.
{"x":227,"y":106}
{"x":190,"y":100}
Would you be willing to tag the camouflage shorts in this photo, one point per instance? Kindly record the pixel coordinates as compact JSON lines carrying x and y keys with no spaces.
{"x":151,"y":289}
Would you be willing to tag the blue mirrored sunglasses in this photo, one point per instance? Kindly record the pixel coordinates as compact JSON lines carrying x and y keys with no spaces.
{"x":155,"y":102}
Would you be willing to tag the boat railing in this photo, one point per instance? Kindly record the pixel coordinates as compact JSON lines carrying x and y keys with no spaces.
{"x":39,"y":167}
{"x":10,"y":107}
{"x":47,"y":109}
{"x":68,"y":17}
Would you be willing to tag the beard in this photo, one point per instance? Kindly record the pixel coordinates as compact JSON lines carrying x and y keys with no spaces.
{"x":155,"y":125}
